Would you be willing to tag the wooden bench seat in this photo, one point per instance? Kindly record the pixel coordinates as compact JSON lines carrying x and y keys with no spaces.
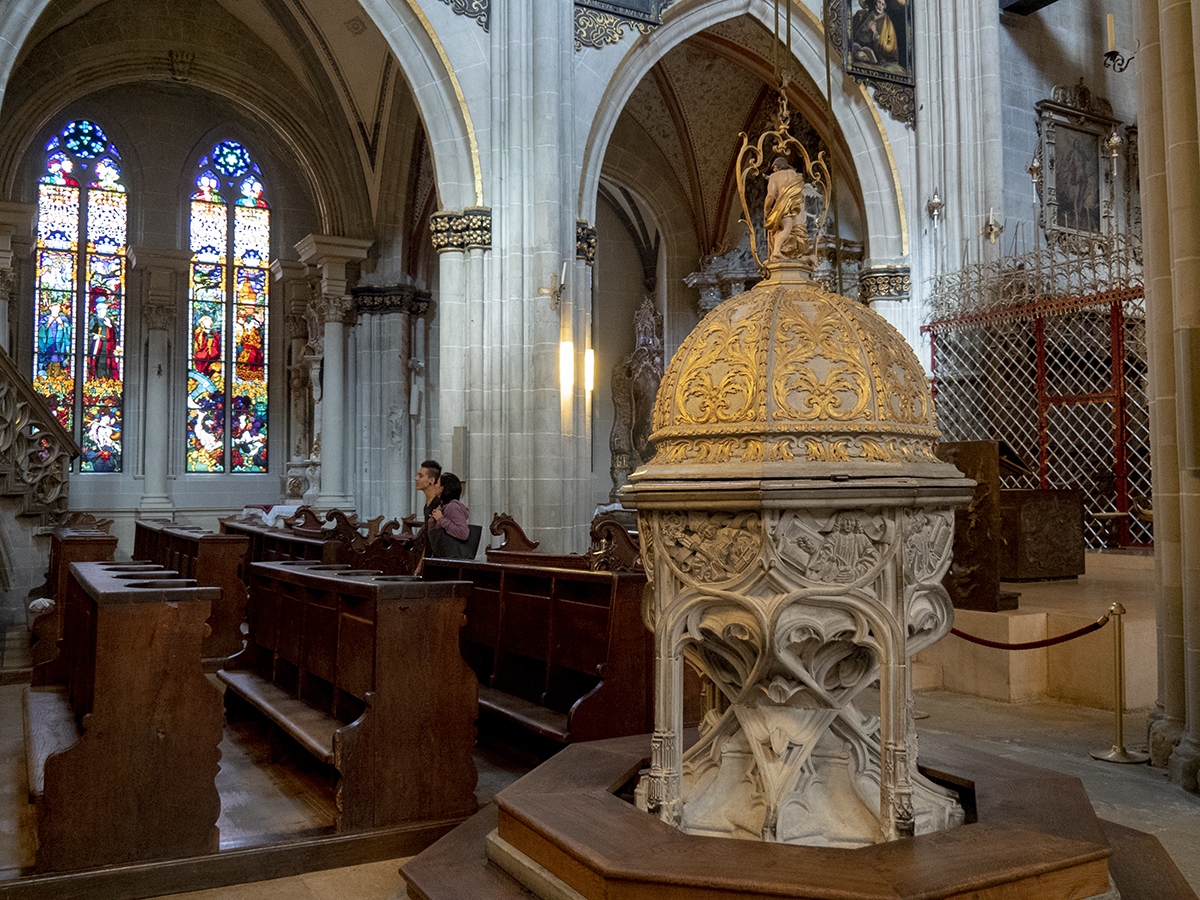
{"x":310,"y":727}
{"x":49,"y":727}
{"x":561,"y":654}
{"x":363,"y":671}
{"x":530,"y":716}
{"x":133,"y":720}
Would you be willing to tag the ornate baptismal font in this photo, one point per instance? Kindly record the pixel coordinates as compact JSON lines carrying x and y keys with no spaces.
{"x":795,"y":527}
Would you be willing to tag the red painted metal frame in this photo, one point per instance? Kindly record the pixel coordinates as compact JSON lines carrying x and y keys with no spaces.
{"x":1037,"y":312}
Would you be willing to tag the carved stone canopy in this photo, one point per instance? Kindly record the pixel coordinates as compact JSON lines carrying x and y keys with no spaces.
{"x":789,"y":372}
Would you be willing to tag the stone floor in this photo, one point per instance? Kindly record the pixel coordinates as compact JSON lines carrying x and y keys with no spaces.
{"x":1052,"y":735}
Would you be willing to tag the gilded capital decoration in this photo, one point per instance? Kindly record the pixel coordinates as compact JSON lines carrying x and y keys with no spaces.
{"x":585,"y":242}
{"x":884,"y":283}
{"x":395,"y":298}
{"x":158,"y":316}
{"x":469,"y":230}
{"x":479,"y":10}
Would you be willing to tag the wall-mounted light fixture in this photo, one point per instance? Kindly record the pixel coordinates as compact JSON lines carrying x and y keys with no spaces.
{"x":1112,"y":57}
{"x":555,"y":291}
{"x":566,"y":368}
{"x":934,"y":208}
{"x":991,"y":228}
{"x":589,"y":369}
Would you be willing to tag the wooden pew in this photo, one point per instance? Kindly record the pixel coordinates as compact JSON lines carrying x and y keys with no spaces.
{"x":612,"y":549}
{"x":67,"y":545}
{"x":272,"y":544}
{"x":305,"y":537}
{"x":213,"y":560}
{"x":122,"y":754}
{"x":363,"y":671}
{"x":561,"y":653}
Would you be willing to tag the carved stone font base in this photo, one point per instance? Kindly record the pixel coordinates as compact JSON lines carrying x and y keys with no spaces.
{"x":791,"y":608}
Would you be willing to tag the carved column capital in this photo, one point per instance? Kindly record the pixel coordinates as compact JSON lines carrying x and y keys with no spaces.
{"x":332,"y":307}
{"x":158,"y":316}
{"x":884,"y":283}
{"x":297,"y":327}
{"x":401,"y":298}
{"x":8,"y":283}
{"x":469,"y":230}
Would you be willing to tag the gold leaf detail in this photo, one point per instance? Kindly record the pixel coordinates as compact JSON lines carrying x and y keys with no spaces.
{"x":782,"y":451}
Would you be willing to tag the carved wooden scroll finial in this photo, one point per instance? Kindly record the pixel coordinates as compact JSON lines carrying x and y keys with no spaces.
{"x":514,"y":539}
{"x":613,"y":548}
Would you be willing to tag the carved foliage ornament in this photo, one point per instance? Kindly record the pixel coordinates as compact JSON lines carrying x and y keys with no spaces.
{"x":469,"y":230}
{"x":34,"y":448}
{"x":401,"y":298}
{"x":884,"y":283}
{"x":791,"y":372}
{"x":479,"y":10}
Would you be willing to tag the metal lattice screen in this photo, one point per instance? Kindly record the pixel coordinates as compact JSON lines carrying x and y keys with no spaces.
{"x":1047,"y":351}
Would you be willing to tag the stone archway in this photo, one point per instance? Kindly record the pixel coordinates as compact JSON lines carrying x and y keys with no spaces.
{"x":867,"y":150}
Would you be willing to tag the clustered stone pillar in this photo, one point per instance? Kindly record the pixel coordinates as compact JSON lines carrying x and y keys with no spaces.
{"x":330,"y":255}
{"x":1169,"y":145}
{"x":164,"y":292}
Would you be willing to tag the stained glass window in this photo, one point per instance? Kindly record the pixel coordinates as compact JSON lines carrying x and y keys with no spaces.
{"x":79,"y":324}
{"x":227,"y":362}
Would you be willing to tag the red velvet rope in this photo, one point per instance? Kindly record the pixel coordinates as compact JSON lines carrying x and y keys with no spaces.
{"x":1034,"y":645}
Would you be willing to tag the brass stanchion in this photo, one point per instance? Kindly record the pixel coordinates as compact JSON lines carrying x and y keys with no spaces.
{"x":1118,"y":753}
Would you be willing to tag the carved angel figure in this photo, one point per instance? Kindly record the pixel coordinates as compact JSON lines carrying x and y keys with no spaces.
{"x":784,"y":212}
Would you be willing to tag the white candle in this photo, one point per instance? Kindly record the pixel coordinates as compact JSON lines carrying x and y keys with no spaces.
{"x":1112,"y":34}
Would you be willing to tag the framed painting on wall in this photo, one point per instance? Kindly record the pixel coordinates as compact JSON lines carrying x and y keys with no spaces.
{"x":1077,"y":202}
{"x":875,"y":41}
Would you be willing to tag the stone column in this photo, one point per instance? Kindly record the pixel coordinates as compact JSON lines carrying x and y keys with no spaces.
{"x":460,"y":240}
{"x":333,"y":309}
{"x":291,"y":279}
{"x":330,"y":255}
{"x":164,"y":292}
{"x":1181,"y":139}
{"x":1170,"y":710}
{"x":16,"y":221}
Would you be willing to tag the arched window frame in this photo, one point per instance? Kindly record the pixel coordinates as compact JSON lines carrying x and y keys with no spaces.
{"x":79,"y":305}
{"x":228,"y":315}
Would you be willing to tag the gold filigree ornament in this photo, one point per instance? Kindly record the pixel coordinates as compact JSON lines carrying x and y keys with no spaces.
{"x":787,"y":377}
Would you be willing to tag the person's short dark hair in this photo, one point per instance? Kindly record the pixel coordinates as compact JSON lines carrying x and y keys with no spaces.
{"x":451,"y":487}
{"x":433,"y":466}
